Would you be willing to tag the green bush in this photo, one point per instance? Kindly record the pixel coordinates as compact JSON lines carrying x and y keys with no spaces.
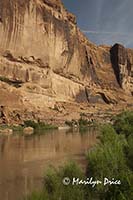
{"x":108,"y":160}
{"x":18,"y":128}
{"x":123,"y":123}
{"x":83,"y":122}
{"x":39,"y":125}
{"x":129,"y":152}
{"x":54,"y":189}
{"x":54,"y":185}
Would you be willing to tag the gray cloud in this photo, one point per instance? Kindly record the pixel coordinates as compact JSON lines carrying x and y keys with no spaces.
{"x":105,"y":21}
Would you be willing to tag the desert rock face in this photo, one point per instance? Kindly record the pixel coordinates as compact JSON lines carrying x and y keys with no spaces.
{"x":121,"y":59}
{"x":43,"y":29}
{"x":45,"y":60}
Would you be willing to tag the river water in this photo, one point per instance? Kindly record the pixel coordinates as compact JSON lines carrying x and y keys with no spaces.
{"x":24,"y":160}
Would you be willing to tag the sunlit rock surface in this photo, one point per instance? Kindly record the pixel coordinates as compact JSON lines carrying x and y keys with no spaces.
{"x":45,"y":60}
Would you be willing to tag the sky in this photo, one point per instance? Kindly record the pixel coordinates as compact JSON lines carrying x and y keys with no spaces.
{"x":104,"y":21}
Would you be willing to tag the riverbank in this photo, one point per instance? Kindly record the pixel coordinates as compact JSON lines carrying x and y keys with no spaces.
{"x":33,"y":127}
{"x":109,"y":172}
{"x":28,"y":127}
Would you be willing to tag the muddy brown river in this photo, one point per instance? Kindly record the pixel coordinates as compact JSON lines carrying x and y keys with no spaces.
{"x":24,"y":160}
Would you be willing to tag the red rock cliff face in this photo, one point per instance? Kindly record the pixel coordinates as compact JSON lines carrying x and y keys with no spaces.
{"x":122,"y":63}
{"x":45,"y":55}
{"x":43,"y":29}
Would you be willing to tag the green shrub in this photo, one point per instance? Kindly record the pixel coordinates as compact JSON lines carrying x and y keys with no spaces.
{"x":83,"y":122}
{"x":123,"y":123}
{"x":39,"y":125}
{"x":54,"y":186}
{"x":129,"y":152}
{"x":32,"y":124}
{"x":108,"y":160}
{"x":18,"y":128}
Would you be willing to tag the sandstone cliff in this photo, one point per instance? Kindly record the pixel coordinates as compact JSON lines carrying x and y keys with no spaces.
{"x":46,"y":62}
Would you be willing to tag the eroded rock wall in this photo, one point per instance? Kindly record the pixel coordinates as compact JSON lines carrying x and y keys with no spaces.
{"x":122,"y":63}
{"x":45,"y":30}
{"x":45,"y":59}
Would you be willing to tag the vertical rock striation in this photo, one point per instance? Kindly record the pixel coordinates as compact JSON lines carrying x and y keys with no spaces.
{"x":43,"y":53}
{"x":121,"y":59}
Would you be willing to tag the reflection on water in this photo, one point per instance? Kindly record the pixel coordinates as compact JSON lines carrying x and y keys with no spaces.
{"x":23,"y":160}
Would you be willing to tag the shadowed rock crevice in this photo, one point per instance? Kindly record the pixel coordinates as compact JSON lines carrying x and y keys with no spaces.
{"x":115,"y":62}
{"x":120,"y":62}
{"x":121,"y":59}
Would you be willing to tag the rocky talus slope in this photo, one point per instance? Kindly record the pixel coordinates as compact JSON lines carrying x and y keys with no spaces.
{"x":50,"y":71}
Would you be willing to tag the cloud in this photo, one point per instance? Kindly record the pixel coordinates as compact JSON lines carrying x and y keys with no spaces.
{"x":114,"y":23}
{"x":110,"y":37}
{"x":108,"y":33}
{"x":105,"y":21}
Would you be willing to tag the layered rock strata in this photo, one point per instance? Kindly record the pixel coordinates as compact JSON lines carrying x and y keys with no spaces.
{"x":46,"y":60}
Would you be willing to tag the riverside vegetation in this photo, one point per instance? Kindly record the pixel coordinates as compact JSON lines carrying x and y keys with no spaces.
{"x":82,"y":125}
{"x":111,"y":157}
{"x":37,"y":126}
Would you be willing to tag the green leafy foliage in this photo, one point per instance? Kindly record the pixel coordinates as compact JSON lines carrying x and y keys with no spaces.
{"x":108,"y":160}
{"x":129,"y":151}
{"x":39,"y":125}
{"x":18,"y":128}
{"x":123,"y":123}
{"x":54,"y":189}
{"x":82,"y":123}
